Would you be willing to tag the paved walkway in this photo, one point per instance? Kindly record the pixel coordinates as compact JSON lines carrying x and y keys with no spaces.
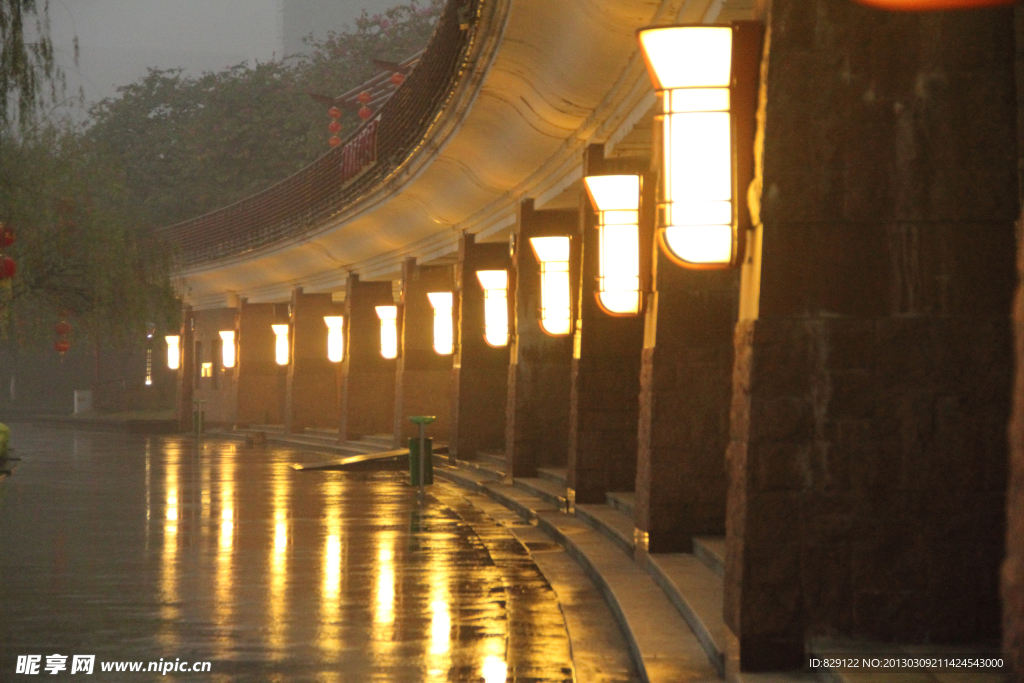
{"x":137,"y":549}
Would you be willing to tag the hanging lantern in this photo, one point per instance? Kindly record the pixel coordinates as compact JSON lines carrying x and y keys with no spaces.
{"x":397,"y":79}
{"x":616,"y":198}
{"x":334,"y":113}
{"x":443,"y":325}
{"x":227,"y":338}
{"x":63,"y":328}
{"x":62,"y":346}
{"x":334,"y":127}
{"x":364,"y":98}
{"x":692,"y":71}
{"x":334,"y":141}
{"x":6,"y":235}
{"x":555,"y":298}
{"x":365,"y":113}
{"x":8,"y":268}
{"x":281,"y":345}
{"x":173,"y":351}
{"x":495,"y":286}
{"x":388,"y":331}
{"x":335,"y":337}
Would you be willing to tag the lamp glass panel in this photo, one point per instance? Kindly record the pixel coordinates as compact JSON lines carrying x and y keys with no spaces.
{"x":443,"y":324}
{"x":550,"y":248}
{"x":614,"y":192}
{"x":228,"y":348}
{"x":698,"y":99}
{"x":553,"y":254}
{"x":700,"y":244}
{"x":281,"y":345}
{"x":335,"y":338}
{"x":493,"y":279}
{"x":388,"y":331}
{"x":688,"y":56}
{"x":173,"y":351}
{"x":496,"y":316}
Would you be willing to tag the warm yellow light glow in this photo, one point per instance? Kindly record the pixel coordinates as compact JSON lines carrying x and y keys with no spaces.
{"x":553,"y":254}
{"x":495,"y":286}
{"x":335,"y":338}
{"x":281,"y":346}
{"x":228,"y":347}
{"x":388,"y":331}
{"x":173,"y":351}
{"x":206,"y":370}
{"x":495,"y":670}
{"x":443,"y":325}
{"x":692,"y":65}
{"x":616,"y":198}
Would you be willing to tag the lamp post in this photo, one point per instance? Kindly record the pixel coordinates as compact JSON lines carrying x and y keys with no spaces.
{"x":495,"y":286}
{"x":444,"y":334}
{"x":555,"y":297}
{"x":616,"y":199}
{"x":702,"y":133}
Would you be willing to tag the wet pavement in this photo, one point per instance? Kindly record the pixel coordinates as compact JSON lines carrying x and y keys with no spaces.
{"x":137,"y":549}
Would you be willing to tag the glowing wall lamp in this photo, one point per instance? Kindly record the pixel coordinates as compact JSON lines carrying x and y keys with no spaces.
{"x":691,"y":67}
{"x":616,"y":198}
{"x":553,"y":254}
{"x":281,"y":345}
{"x":443,"y":326}
{"x":388,"y":331}
{"x":173,"y":351}
{"x":335,"y":338}
{"x":227,"y":338}
{"x":495,"y":286}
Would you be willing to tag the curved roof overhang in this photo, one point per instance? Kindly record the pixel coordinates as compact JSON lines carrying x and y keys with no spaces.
{"x":543,"y":80}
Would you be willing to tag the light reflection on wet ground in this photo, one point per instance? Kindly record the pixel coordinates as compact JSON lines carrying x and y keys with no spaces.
{"x":141,"y":548}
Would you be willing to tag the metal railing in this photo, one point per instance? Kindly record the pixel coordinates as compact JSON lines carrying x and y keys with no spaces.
{"x":319,"y":191}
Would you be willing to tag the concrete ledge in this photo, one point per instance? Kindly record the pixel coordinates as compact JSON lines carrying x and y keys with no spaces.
{"x":555,"y":494}
{"x":556,"y":475}
{"x":623,"y":501}
{"x":711,"y":551}
{"x":615,"y":525}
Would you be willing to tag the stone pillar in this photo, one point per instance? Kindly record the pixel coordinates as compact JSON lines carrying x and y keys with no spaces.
{"x":367,"y":378}
{"x":537,"y":411}
{"x":218,"y":390}
{"x":424,"y":377}
{"x":605,"y":382}
{"x":480,"y":372}
{"x":311,"y":398}
{"x":186,"y":371}
{"x":874,"y":354}
{"x":260,"y":378}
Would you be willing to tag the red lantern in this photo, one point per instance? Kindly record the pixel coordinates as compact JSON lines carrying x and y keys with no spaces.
{"x":334,"y":113}
{"x":334,"y":141}
{"x":365,"y":113}
{"x":397,"y":79}
{"x":63,"y":328}
{"x":334,"y":127}
{"x":8,"y":268}
{"x":6,"y":236}
{"x":364,"y":98}
{"x":62,"y":346}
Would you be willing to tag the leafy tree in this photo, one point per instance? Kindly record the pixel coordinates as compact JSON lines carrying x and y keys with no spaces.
{"x":191,"y":145}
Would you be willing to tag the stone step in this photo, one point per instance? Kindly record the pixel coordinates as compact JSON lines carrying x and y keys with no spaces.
{"x":493,"y":457}
{"x":484,"y":467}
{"x":556,"y":475}
{"x":711,"y":551}
{"x":623,"y":500}
{"x":664,"y":648}
{"x":554,"y":494}
{"x":613,"y":523}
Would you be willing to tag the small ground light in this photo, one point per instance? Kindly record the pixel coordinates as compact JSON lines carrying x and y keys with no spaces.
{"x":443,"y":325}
{"x":228,"y":348}
{"x":173,"y":351}
{"x":616,"y":198}
{"x":388,"y":331}
{"x":495,"y":286}
{"x":281,"y":344}
{"x":335,"y":337}
{"x":553,"y":254}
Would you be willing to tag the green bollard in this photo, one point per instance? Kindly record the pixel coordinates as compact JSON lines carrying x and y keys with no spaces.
{"x":5,"y":440}
{"x":424,"y":455}
{"x":414,"y":461}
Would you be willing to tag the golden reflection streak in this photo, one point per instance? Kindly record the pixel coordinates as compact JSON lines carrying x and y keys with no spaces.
{"x":330,"y":601}
{"x":278,"y":598}
{"x":382,"y":640}
{"x":169,"y":557}
{"x":438,"y":659}
{"x":223,"y":579}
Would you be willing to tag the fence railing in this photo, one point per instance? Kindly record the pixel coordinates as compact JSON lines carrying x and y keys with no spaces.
{"x":306,"y":199}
